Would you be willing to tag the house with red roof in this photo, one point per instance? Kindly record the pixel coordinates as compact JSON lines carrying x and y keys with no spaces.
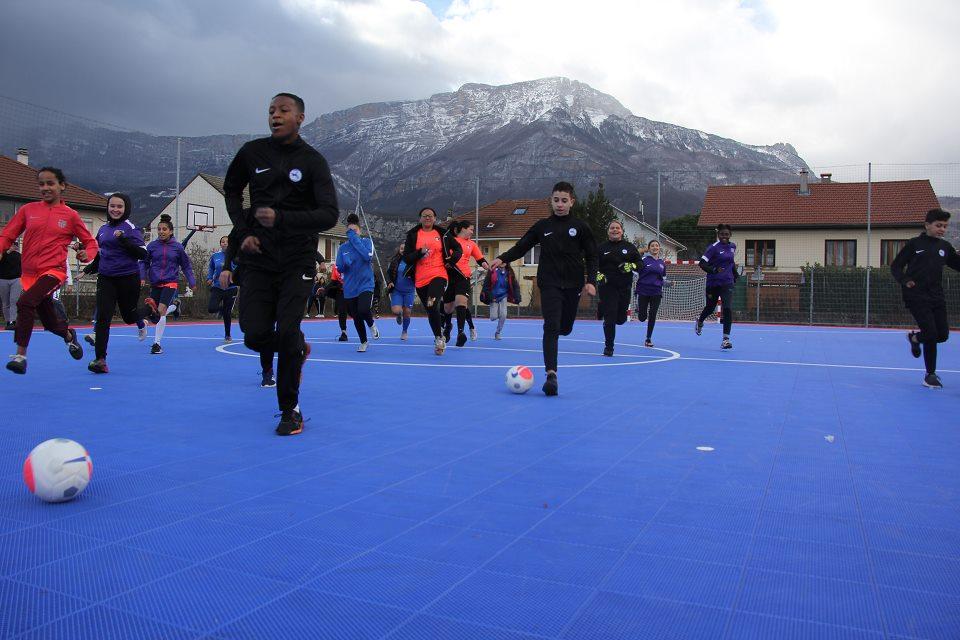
{"x":783,"y":227}
{"x":18,"y":186}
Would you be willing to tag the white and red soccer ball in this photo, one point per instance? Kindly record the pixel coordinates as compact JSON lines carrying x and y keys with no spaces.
{"x":57,"y":470}
{"x":519,"y":379}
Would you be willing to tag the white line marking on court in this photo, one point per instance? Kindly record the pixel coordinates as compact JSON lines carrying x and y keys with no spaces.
{"x":96,"y":388}
{"x":815,"y":364}
{"x":704,"y":448}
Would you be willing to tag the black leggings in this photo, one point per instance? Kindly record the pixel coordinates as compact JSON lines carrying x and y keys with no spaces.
{"x":360,"y":310}
{"x":934,"y":328}
{"x":653,"y":304}
{"x":112,"y":292}
{"x":433,"y":290}
{"x":725,"y":294}
{"x":559,"y":308}
{"x":613,"y":305}
{"x":221,"y":300}
{"x":340,"y":306}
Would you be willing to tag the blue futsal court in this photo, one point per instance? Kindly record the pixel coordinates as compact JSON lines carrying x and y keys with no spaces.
{"x":803,"y":485}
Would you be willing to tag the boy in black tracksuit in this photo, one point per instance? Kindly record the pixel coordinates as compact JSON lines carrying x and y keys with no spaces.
{"x":567,"y":250}
{"x":292,"y":199}
{"x":919,"y":270}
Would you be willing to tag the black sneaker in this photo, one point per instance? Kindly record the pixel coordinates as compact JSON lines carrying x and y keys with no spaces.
{"x":343,"y":337}
{"x":399,"y":318}
{"x":98,"y":366}
{"x":10,"y":326}
{"x":698,"y":327}
{"x":726,"y":344}
{"x":550,"y":385}
{"x":932,"y":381}
{"x":18,"y":364}
{"x":291,"y":423}
{"x":73,"y":345}
{"x":268,"y":381}
{"x":90,"y":340}
{"x":156,"y":349}
{"x":914,"y":345}
{"x":648,"y":342}
{"x":447,"y":330}
{"x":608,"y":351}
{"x":461,"y":339}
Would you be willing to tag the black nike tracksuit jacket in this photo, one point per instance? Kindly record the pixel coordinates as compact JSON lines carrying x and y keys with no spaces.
{"x":294,"y":180}
{"x":567,"y":250}
{"x":922,"y":260}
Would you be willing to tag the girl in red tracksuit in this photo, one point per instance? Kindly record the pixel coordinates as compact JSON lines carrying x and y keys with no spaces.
{"x":48,"y":228}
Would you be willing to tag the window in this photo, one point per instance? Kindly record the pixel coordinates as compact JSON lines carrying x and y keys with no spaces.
{"x":889,"y":250}
{"x":761,"y":253}
{"x":519,"y":211}
{"x":532,"y":257}
{"x":841,"y":253}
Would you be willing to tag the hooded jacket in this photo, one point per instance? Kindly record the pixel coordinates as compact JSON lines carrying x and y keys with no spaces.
{"x":164,"y":261}
{"x":119,"y":255}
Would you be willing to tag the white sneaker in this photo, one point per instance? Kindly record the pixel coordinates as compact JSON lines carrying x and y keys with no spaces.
{"x":142,"y":334}
{"x":376,"y":332}
{"x":321,"y":316}
{"x":307,"y":315}
{"x":439,"y":345}
{"x":362,"y":347}
{"x":403,"y":336}
{"x":496,"y":336}
{"x":473,"y":335}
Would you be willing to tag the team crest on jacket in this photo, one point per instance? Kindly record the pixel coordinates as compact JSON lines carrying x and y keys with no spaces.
{"x":63,"y":225}
{"x":623,"y":251}
{"x":572,"y":232}
{"x":942,"y":253}
{"x":295,"y":175}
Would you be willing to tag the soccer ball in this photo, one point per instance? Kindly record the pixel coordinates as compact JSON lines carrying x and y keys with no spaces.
{"x":519,"y":379}
{"x":57,"y":470}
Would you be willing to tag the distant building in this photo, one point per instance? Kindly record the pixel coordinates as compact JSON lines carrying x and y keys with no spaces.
{"x":640,"y":233}
{"x":202,"y":200}
{"x":783,"y":227}
{"x":18,"y":186}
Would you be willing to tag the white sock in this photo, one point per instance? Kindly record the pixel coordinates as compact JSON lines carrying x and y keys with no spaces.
{"x":158,"y":331}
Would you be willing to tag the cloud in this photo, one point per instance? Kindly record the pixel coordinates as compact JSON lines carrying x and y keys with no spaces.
{"x":844,"y":82}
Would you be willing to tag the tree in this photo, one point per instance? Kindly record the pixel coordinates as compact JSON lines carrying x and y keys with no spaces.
{"x":596,"y":212}
{"x":685,"y":231}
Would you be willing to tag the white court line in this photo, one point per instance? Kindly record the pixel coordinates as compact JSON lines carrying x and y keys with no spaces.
{"x":815,"y":364}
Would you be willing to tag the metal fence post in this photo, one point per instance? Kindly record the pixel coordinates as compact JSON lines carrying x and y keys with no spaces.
{"x":811,"y":296}
{"x":866,"y":316}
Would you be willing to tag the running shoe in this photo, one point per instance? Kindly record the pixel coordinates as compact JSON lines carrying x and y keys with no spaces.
{"x":227,"y":339}
{"x":726,"y":344}
{"x":473,"y":334}
{"x":399,"y":318}
{"x":10,"y":326}
{"x":268,"y":381}
{"x":914,"y":345}
{"x":932,"y":380}
{"x":647,"y":343}
{"x":447,"y":330}
{"x":90,"y":340}
{"x":461,"y":339}
{"x":362,"y":347}
{"x":73,"y":345}
{"x":291,"y":423}
{"x":403,"y":335}
{"x":18,"y":364}
{"x":98,"y":366}
{"x":343,"y":337}
{"x":608,"y":351}
{"x":156,"y":349}
{"x":496,"y":336}
{"x":439,"y":345}
{"x":550,"y":386}
{"x":698,"y":327}
{"x":141,"y":334}
{"x":375,"y":331}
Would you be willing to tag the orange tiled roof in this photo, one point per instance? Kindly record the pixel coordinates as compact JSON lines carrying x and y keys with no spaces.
{"x":19,"y":182}
{"x":830,"y":204}
{"x":505,"y":223}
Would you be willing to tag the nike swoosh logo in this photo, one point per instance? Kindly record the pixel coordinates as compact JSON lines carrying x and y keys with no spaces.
{"x":921,"y":250}
{"x":605,"y":252}
{"x":548,"y":233}
{"x":306,"y":277}
{"x":262,"y":170}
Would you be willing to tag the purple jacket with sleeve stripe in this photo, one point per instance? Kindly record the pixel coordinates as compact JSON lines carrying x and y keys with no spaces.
{"x":164,"y":261}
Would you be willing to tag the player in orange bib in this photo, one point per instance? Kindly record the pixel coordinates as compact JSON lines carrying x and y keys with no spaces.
{"x":48,"y":228}
{"x":428,"y":251}
{"x":459,"y":277}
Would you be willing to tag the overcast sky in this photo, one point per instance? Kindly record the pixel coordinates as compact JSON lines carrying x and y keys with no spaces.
{"x":844,"y":81}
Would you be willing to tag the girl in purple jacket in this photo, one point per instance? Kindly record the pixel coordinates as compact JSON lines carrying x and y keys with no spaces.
{"x":651,"y":279}
{"x":161,"y":267}
{"x":117,"y":266}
